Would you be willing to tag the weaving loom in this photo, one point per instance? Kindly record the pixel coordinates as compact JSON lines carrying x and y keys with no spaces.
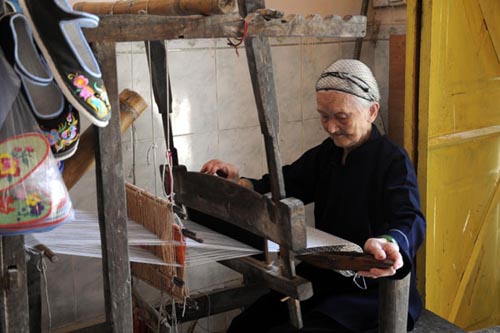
{"x":157,"y":249}
{"x":284,"y":214}
{"x":157,"y":255}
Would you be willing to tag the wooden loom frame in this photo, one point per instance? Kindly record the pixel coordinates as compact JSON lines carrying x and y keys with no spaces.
{"x":109,"y":169}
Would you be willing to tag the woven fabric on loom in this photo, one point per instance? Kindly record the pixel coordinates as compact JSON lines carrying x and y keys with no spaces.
{"x":156,"y":215}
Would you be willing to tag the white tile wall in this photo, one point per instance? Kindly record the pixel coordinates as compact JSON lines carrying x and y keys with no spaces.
{"x":243,"y":147}
{"x":195,"y":149}
{"x":235,"y":100}
{"x":287,"y":75}
{"x":290,"y":141}
{"x":194,"y":90}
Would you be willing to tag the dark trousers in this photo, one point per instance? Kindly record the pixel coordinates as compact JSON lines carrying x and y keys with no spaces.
{"x":269,"y":314}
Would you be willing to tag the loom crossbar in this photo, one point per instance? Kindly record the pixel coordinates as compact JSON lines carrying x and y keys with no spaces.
{"x":137,"y":27}
{"x":282,"y":222}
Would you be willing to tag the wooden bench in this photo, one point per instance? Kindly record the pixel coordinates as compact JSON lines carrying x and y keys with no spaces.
{"x":495,"y":329}
{"x":429,"y":322}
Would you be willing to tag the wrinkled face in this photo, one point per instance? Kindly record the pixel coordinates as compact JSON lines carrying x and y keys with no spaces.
{"x":347,"y":120}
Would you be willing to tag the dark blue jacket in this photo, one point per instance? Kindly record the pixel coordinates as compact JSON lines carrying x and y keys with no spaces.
{"x":375,"y":192}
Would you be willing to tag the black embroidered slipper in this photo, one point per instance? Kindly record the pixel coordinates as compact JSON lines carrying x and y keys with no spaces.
{"x":63,"y":133}
{"x":57,"y":31}
{"x":56,"y":117}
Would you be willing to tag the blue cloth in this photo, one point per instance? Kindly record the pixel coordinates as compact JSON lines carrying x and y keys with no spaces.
{"x":373,"y":193}
{"x":15,"y":4}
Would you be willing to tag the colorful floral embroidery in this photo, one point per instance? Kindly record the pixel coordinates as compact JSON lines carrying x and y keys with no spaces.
{"x":20,"y":206}
{"x":9,"y":163}
{"x":5,"y":202}
{"x":96,"y":97}
{"x":65,"y":135}
{"x":35,"y":204}
{"x":9,"y":166}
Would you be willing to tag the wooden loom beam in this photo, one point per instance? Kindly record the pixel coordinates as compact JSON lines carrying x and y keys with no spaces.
{"x":218,"y":301}
{"x":139,"y":27}
{"x":295,"y":287}
{"x":242,"y":207}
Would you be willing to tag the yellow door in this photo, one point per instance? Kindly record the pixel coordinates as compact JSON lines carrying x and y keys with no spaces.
{"x":458,"y":154}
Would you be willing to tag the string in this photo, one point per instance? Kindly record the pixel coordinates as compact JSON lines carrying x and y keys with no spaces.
{"x":153,"y":145}
{"x":169,"y":194}
{"x":174,"y":316}
{"x":360,"y":286}
{"x":209,"y":310}
{"x":82,"y":238}
{"x":42,"y":268}
{"x":194,"y":256}
{"x":133,"y":128}
{"x":160,"y":312}
{"x":184,"y":305}
{"x":239,"y":40}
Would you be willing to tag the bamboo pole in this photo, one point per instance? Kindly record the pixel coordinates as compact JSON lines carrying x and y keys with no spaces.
{"x":158,"y":7}
{"x":131,"y":107}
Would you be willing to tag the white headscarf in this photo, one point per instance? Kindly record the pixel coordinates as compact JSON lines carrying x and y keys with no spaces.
{"x":352,"y":77}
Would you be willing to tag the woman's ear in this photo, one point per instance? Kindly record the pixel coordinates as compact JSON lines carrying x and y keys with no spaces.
{"x":374,"y":107}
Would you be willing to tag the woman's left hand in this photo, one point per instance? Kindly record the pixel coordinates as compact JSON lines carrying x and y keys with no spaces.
{"x":382,"y":249}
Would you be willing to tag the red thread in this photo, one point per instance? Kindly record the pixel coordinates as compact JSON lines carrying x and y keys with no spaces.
{"x":239,"y":40}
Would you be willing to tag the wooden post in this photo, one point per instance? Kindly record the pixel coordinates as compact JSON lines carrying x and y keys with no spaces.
{"x":393,"y":305}
{"x":359,"y":41}
{"x":14,"y":314}
{"x":260,"y":65}
{"x":111,"y":203}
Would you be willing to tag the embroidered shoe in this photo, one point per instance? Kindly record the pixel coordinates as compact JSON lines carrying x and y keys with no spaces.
{"x":57,"y":31}
{"x":63,"y":132}
{"x":56,"y":117}
{"x":10,"y":7}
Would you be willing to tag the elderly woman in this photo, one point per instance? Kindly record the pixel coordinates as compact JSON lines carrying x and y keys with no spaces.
{"x":364,"y":189}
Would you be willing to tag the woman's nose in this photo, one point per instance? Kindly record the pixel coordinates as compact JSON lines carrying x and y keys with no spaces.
{"x":332,"y":127}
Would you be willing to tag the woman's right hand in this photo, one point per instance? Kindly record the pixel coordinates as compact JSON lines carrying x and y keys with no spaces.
{"x":222,"y":169}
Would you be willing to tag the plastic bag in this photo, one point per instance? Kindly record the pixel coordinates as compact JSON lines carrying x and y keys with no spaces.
{"x":33,"y":197}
